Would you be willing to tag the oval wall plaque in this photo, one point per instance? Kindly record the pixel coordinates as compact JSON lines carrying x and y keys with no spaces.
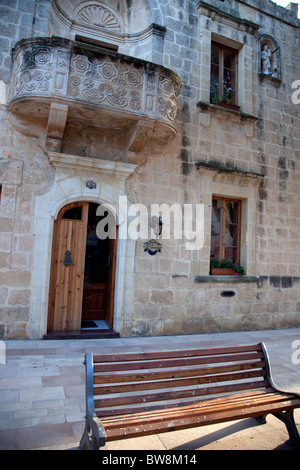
{"x":227,"y":293}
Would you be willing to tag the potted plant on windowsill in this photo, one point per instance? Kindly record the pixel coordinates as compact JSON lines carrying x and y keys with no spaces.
{"x":225,"y":268}
{"x":234,"y":107}
{"x":224,"y":102}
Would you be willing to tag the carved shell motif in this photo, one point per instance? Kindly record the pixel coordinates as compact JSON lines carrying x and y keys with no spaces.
{"x":97,"y":15}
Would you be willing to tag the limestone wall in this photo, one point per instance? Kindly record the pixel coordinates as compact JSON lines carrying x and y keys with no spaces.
{"x":251,"y":154}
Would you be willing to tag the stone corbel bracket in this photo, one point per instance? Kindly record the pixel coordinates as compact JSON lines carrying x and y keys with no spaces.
{"x":56,"y":126}
{"x":140,"y":135}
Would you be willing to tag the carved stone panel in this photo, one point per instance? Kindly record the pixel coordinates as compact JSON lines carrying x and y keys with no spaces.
{"x":40,"y":69}
{"x":33,"y":71}
{"x":101,"y":81}
{"x":167,"y":98}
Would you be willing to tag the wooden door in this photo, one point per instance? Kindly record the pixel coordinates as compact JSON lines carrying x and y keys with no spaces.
{"x":67,"y":268}
{"x":111,"y":276}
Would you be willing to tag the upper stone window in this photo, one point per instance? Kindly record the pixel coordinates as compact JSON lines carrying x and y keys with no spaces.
{"x":223,"y":85}
{"x":235,"y":36}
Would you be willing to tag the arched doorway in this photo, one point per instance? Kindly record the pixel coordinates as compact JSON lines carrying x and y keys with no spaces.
{"x":82,"y":279}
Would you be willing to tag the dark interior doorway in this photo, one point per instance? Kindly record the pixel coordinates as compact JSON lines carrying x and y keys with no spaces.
{"x":95,"y":275}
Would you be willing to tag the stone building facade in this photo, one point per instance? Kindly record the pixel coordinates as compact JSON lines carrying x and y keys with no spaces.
{"x":114,"y":106}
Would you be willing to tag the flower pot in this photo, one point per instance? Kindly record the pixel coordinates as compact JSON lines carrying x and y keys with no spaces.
{"x":223,"y":272}
{"x":227,"y":105}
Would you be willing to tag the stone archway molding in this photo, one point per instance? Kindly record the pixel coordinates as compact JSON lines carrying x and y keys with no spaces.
{"x":70,"y":185}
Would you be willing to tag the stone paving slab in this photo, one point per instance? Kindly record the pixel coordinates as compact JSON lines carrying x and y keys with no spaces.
{"x":42,"y":402}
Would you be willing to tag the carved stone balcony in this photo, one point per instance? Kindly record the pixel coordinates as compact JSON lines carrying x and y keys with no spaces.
{"x":59,"y":84}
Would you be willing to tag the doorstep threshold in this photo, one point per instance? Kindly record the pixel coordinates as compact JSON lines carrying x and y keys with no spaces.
{"x":82,"y":334}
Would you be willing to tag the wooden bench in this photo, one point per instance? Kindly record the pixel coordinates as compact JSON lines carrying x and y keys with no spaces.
{"x":137,"y":394}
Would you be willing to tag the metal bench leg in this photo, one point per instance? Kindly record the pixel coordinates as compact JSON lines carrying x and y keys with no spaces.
{"x":85,"y":441}
{"x":287,"y":417}
{"x":261,"y":419}
{"x":93,"y":437}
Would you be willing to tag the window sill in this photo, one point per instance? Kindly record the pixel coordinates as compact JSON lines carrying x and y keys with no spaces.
{"x":221,"y":104}
{"x":226,"y":279}
{"x":219,"y":109}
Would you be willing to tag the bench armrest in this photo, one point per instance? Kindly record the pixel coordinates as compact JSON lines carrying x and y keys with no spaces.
{"x":94,"y":432}
{"x":269,"y":374}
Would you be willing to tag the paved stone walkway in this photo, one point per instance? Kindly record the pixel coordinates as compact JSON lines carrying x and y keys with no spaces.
{"x":42,"y":393}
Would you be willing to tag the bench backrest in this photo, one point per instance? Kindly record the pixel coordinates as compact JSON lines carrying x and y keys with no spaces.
{"x":125,"y":382}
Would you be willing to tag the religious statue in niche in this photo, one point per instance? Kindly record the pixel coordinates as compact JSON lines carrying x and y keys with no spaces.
{"x":265,"y":57}
{"x":270,"y":57}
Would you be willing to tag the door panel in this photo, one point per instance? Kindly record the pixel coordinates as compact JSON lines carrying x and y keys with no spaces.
{"x":67,"y":270}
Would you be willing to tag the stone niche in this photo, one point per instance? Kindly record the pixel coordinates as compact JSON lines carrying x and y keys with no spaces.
{"x":84,"y":98}
{"x":269,"y":56}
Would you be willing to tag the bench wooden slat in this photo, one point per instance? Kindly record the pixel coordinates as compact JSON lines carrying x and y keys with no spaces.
{"x":193,"y":410}
{"x":200,"y":419}
{"x":180,"y":362}
{"x":136,"y":386}
{"x":158,"y":375}
{"x":175,"y":402}
{"x":147,"y":356}
{"x":151,"y":398}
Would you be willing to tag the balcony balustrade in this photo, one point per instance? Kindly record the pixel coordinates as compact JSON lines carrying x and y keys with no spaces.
{"x":58,"y":81}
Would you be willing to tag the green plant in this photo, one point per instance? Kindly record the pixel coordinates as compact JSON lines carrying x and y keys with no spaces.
{"x":226,"y":96}
{"x":214,"y":98}
{"x":240,"y":271}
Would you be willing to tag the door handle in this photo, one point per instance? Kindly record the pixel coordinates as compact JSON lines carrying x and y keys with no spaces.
{"x":68,"y":260}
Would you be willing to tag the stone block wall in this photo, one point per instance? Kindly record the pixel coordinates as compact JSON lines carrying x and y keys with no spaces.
{"x":252,"y":154}
{"x":20,"y":19}
{"x":175,"y":292}
{"x":24,"y":173}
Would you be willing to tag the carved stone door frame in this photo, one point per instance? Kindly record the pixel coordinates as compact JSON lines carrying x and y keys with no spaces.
{"x":71,"y":175}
